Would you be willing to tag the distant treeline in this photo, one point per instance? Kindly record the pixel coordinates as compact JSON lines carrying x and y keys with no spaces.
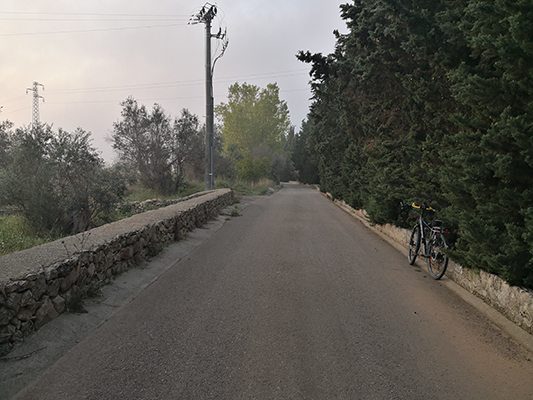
{"x":432,"y":101}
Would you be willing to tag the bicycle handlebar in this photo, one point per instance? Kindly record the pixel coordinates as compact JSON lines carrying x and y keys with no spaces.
{"x":422,"y":206}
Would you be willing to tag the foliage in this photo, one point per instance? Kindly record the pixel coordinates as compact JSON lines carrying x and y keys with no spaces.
{"x":432,"y":101}
{"x":301,"y":156}
{"x":57,"y":180}
{"x":489,"y":176}
{"x":5,"y":142}
{"x":17,"y":235}
{"x":157,"y":147}
{"x":187,"y":147}
{"x":141,"y":139}
{"x":254,"y":126}
{"x":252,"y":169}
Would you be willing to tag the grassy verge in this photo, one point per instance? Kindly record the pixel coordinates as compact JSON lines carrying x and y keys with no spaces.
{"x":16,"y":235}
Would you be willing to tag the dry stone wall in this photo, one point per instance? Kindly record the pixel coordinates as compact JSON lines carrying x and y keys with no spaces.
{"x":38,"y":284}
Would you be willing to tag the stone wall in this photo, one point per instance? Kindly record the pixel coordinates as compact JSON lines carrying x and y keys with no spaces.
{"x":38,"y":284}
{"x":514,"y":302}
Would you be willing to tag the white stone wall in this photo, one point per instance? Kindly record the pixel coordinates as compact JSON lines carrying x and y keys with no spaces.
{"x":38,"y":284}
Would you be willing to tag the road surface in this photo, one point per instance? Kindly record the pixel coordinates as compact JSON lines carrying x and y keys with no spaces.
{"x":295,"y":299}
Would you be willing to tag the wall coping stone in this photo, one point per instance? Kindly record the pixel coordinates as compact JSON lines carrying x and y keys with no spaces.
{"x":22,"y":264}
{"x":38,"y":284}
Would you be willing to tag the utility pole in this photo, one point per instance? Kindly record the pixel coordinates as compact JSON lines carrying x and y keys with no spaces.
{"x":205,"y":16}
{"x":35,"y":109}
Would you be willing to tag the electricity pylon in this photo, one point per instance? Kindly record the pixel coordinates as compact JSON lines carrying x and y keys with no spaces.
{"x":205,"y":16}
{"x":35,"y":109}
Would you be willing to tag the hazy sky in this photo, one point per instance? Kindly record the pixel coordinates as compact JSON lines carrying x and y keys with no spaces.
{"x":92,"y":54}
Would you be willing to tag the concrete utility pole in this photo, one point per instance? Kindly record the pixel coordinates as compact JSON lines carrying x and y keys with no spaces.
{"x":205,"y":16}
{"x":35,"y":109}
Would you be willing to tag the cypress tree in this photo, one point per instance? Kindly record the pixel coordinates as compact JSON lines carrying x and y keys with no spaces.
{"x":489,"y":179}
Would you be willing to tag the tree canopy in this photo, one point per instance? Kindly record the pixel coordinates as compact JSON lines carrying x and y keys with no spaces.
{"x":432,"y":101}
{"x":155,"y":146}
{"x":57,"y":179}
{"x":254,"y":125}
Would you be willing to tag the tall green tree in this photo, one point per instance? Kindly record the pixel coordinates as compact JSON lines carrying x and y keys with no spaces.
{"x":254,"y":125}
{"x":489,"y":178}
{"x":378,"y":105}
{"x":304,"y":161}
{"x":432,"y":101}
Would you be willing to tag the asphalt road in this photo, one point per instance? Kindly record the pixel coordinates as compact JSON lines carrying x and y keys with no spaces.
{"x":295,"y":299}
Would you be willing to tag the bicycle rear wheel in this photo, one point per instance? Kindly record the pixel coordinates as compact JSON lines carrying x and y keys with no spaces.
{"x":414,"y":245}
{"x":437,"y":260}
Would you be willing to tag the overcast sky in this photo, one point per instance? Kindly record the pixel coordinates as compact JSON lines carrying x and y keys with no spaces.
{"x":92,"y":54}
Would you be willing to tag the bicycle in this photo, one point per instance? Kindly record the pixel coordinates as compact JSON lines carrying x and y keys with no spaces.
{"x":432,"y":238}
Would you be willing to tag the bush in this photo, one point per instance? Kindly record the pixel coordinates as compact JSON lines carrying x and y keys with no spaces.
{"x":58,"y":180}
{"x":17,"y":235}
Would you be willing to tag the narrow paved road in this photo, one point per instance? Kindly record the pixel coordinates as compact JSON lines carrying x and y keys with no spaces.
{"x":293,"y":300}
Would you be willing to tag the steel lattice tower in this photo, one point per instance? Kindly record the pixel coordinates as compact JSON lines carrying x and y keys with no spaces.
{"x":35,"y":109}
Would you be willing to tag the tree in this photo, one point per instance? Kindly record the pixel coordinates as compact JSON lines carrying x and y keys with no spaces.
{"x":490,"y":173}
{"x":5,"y":134}
{"x":187,"y":145}
{"x":58,"y":180}
{"x":380,"y":100}
{"x":432,"y":101}
{"x":303,"y":161}
{"x":252,"y":121}
{"x":142,"y":140}
{"x":154,"y":145}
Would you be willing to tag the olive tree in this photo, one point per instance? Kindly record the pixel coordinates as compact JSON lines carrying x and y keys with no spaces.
{"x":57,"y":179}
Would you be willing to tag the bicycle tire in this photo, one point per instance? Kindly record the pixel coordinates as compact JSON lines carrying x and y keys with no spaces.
{"x":437,"y":260}
{"x":414,"y":245}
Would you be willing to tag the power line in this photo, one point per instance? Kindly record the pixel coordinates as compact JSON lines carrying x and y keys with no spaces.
{"x":15,"y":111}
{"x":152,"y":98}
{"x":13,"y":99}
{"x":90,"y":30}
{"x":155,"y":86}
{"x":149,"y":19}
{"x":94,"y":14}
{"x":159,"y":85}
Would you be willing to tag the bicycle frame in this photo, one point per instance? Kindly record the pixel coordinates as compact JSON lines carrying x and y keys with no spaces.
{"x":425,"y":227}
{"x":427,"y":231}
{"x":431,"y":237}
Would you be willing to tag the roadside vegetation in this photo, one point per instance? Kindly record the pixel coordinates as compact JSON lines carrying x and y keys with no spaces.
{"x":53,"y":183}
{"x":432,"y":101}
{"x":17,"y":234}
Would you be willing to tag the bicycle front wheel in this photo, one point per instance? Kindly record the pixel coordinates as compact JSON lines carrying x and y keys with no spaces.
{"x":414,"y":245}
{"x":437,"y":260}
